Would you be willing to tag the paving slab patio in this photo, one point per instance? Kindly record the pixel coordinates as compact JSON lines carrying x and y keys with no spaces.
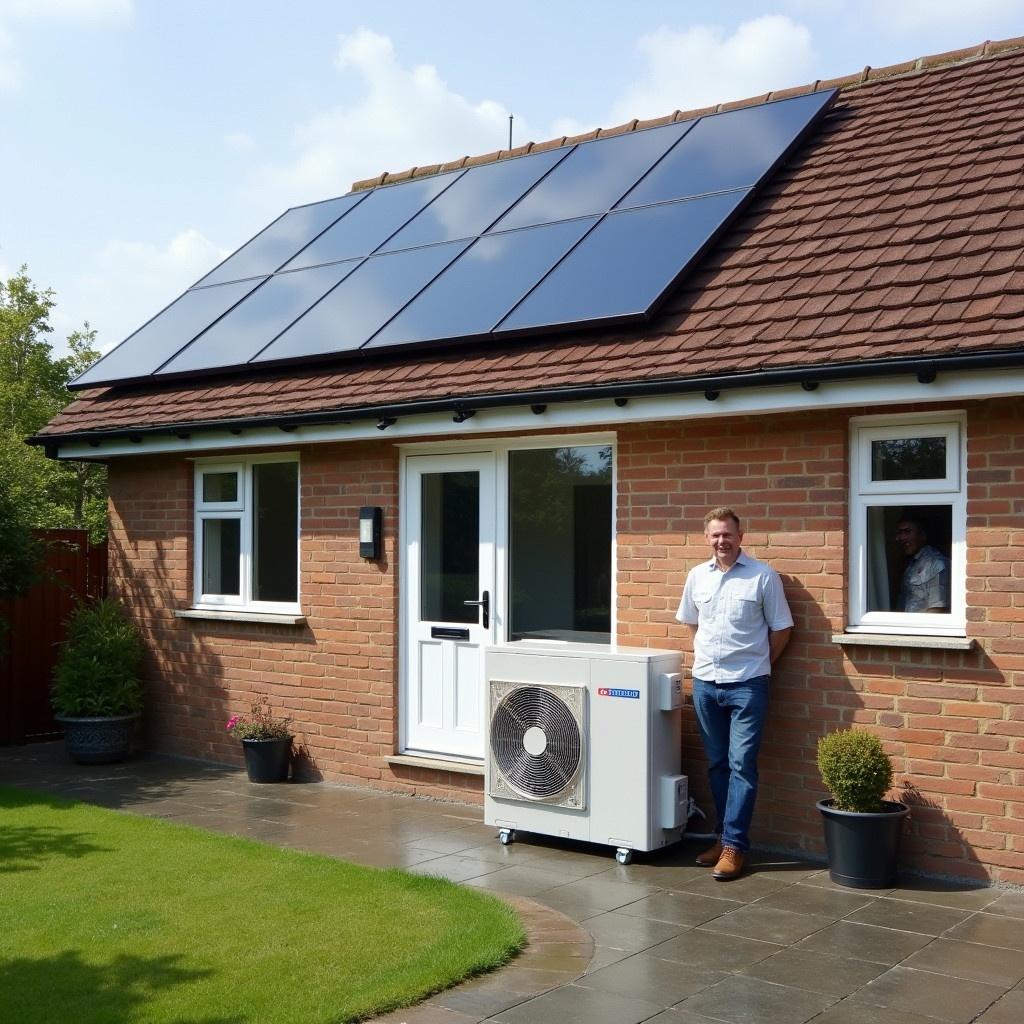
{"x":655,"y":941}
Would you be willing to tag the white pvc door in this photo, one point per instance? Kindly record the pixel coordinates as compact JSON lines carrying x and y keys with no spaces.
{"x":448,"y":601}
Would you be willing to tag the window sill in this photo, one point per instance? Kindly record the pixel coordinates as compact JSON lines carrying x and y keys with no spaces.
{"x":239,"y":615}
{"x":457,"y":767}
{"x":932,"y":643}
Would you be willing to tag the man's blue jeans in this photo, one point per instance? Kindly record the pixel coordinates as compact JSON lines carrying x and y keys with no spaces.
{"x":731,"y":719}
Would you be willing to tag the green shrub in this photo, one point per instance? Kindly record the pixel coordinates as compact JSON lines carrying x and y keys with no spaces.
{"x":98,"y":670}
{"x":856,"y":769}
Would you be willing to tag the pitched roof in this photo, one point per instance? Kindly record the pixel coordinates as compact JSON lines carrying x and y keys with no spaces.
{"x":895,"y":232}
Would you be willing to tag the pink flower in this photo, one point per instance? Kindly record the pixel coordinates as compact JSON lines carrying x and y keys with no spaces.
{"x":232,"y":722}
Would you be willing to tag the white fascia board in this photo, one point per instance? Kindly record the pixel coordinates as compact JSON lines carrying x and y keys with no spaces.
{"x":876,"y":392}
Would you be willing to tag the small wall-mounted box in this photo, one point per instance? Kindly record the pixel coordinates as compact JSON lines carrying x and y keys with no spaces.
{"x":675,"y":801}
{"x":670,"y":691}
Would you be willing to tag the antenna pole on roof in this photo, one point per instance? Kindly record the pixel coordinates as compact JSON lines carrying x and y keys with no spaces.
{"x":510,"y":116}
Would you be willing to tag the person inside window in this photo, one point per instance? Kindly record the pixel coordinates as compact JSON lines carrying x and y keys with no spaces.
{"x":925,"y":583}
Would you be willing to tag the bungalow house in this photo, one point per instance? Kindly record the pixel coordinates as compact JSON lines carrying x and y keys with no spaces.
{"x":839,"y":348}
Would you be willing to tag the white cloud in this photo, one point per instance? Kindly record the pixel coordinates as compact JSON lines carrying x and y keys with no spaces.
{"x":405,"y":116}
{"x":12,"y":71}
{"x":699,"y":66}
{"x":918,"y":15}
{"x":127,"y":282}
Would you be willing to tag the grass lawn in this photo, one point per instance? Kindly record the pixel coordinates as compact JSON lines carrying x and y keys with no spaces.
{"x":106,"y":917}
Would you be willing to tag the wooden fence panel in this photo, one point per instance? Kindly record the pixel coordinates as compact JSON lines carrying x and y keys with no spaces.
{"x":73,"y":571}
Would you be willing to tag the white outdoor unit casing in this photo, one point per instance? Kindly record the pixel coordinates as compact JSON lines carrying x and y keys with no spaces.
{"x":625,"y":790}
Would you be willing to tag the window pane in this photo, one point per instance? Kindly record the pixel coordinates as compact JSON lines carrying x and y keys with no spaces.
{"x":449,"y":546}
{"x":909,"y":458}
{"x":275,"y":530}
{"x":220,"y":486}
{"x":561,"y":530}
{"x":908,"y":558}
{"x":221,"y":539}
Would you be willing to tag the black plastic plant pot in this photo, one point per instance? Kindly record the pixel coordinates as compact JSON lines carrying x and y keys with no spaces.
{"x":863,"y":848}
{"x":98,"y":740}
{"x":268,"y":760}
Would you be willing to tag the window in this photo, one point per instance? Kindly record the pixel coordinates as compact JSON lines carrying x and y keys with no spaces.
{"x":560,"y":543}
{"x":246,"y":533}
{"x":908,"y":525}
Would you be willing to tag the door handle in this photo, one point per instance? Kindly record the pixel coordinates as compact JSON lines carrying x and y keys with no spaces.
{"x":485,"y":604}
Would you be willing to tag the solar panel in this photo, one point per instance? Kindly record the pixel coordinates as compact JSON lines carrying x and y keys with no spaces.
{"x":625,"y":264}
{"x":572,"y":237}
{"x":248,"y":328}
{"x":366,"y":300}
{"x":594,"y":176}
{"x":276,"y":244}
{"x":475,"y":201}
{"x":373,"y":221}
{"x":158,"y":340}
{"x":731,"y":150}
{"x":483,"y":284}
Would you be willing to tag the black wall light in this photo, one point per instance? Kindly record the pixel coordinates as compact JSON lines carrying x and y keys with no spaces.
{"x":370,"y":517}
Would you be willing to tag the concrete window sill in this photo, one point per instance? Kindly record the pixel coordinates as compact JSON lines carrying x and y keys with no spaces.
{"x":926,"y":643}
{"x":240,"y":615}
{"x":457,"y":767}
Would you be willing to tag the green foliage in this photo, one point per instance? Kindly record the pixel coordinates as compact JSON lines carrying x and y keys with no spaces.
{"x":20,"y":552}
{"x":259,"y":724}
{"x":33,"y":389}
{"x":98,"y":671}
{"x":20,"y":556}
{"x":856,"y":769}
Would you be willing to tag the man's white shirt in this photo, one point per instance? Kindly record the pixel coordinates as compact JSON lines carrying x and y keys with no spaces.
{"x":734,"y":611}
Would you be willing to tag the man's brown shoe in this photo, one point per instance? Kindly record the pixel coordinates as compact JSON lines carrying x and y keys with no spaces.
{"x":729,"y":866}
{"x":709,"y":858}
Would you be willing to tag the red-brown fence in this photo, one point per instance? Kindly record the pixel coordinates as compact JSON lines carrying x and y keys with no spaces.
{"x":73,"y":570}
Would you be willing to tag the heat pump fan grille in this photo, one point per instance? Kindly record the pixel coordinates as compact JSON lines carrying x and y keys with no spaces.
{"x":536,"y":742}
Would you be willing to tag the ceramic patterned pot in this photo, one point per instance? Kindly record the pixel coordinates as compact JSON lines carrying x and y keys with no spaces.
{"x":98,"y":740}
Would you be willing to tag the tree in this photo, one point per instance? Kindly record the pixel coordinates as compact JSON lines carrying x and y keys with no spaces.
{"x":20,"y":555}
{"x":33,"y":389}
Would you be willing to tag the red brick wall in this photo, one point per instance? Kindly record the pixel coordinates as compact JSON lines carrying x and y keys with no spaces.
{"x":954,"y":722}
{"x":335,"y":674}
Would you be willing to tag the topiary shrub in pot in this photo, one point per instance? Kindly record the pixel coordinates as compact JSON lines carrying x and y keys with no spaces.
{"x":97,"y":685}
{"x":862,"y":828}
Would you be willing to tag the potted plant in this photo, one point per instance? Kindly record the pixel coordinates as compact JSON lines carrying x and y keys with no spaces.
{"x":97,"y":686}
{"x":266,"y":742}
{"x":862,"y":828}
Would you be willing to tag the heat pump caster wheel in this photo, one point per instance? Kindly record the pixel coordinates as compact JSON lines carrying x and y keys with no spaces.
{"x":507,"y":836}
{"x":624,"y":856}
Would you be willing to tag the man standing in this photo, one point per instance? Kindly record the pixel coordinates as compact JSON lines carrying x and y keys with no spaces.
{"x":925,"y":584}
{"x":740,"y":623}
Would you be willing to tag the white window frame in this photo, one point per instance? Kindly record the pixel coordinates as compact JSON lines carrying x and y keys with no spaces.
{"x":242,"y":509}
{"x":950,"y":490}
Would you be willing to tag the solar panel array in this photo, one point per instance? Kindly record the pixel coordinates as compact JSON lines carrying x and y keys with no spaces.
{"x":585,"y":235}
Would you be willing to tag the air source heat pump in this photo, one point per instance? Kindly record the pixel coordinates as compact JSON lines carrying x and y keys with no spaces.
{"x":584,"y":742}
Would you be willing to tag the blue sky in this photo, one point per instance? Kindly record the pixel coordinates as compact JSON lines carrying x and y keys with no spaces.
{"x":143,"y":140}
